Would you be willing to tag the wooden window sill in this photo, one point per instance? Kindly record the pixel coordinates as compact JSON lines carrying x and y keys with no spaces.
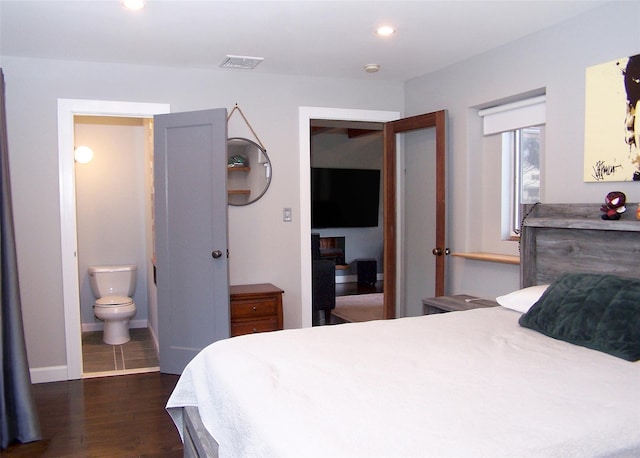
{"x":490,"y":257}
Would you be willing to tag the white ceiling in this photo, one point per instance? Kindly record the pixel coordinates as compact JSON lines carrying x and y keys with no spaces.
{"x":299,"y":37}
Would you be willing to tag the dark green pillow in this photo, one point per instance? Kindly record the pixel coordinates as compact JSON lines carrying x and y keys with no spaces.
{"x":601,"y":312}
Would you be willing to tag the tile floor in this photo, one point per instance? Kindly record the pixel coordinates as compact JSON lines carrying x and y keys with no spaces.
{"x":137,"y":356}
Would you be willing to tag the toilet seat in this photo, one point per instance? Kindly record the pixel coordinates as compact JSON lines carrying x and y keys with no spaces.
{"x":113,"y":301}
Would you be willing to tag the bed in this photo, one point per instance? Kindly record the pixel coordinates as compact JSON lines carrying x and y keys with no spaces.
{"x":483,"y":382}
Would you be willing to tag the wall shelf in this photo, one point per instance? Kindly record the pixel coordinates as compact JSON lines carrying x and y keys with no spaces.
{"x":239,"y":192}
{"x":491,"y":257}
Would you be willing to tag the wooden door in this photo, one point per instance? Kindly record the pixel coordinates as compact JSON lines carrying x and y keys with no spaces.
{"x":191,"y":233}
{"x":435,"y":120}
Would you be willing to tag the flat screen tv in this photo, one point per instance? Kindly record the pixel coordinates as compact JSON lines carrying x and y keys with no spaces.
{"x":344,"y":197}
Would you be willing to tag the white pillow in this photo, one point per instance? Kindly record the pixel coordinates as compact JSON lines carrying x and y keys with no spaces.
{"x":522,"y":299}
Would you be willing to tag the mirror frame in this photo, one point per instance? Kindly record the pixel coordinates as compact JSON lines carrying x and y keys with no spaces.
{"x":267,"y":164}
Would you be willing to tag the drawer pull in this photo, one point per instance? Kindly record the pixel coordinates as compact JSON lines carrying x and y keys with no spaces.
{"x":255,"y":330}
{"x":254,"y":308}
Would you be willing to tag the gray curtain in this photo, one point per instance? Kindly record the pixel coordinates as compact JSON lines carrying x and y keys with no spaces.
{"x":18,"y":415}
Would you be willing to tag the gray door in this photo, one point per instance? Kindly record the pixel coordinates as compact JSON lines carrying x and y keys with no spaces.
{"x":191,"y":233}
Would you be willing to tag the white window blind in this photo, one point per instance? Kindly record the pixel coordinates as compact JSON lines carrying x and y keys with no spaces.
{"x":512,"y":116}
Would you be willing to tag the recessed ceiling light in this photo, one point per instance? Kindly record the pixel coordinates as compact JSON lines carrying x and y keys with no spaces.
{"x":243,"y":62}
{"x":385,"y":30}
{"x":133,"y":4}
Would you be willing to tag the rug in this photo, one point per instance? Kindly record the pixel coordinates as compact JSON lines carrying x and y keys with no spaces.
{"x":359,"y":307}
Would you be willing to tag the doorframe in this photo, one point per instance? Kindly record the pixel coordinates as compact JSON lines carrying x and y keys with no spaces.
{"x":67,"y":109}
{"x":306,"y":114}
{"x":393,"y":126}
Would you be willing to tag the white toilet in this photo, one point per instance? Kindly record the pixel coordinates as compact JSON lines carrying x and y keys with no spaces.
{"x":113,"y":287}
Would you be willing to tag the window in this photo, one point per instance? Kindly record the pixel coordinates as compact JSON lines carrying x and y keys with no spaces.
{"x":521,"y":124}
{"x":522,"y":150}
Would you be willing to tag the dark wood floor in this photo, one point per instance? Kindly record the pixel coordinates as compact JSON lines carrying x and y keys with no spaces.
{"x":121,"y":416}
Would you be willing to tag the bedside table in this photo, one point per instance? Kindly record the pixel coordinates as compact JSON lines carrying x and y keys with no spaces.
{"x":255,"y":308}
{"x":459,"y":302}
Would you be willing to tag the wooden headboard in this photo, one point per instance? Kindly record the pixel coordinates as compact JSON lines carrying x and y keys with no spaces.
{"x":560,"y":238}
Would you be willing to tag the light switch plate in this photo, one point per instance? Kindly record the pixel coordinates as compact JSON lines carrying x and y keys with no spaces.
{"x":286,"y":215}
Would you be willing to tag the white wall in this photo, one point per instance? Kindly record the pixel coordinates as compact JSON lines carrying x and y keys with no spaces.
{"x":555,"y":59}
{"x":262,"y":247}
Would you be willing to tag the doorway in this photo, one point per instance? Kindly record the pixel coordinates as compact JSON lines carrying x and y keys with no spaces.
{"x":306,"y":114}
{"x":114,"y":227}
{"x":347,"y":218}
{"x":67,"y":110}
{"x":394,"y":133}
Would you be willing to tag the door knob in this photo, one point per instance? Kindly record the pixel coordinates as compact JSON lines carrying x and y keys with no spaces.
{"x":437,"y":251}
{"x":216,"y":254}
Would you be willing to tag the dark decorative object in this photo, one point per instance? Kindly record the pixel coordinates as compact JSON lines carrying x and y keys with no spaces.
{"x":237,"y":161}
{"x":366,"y":271}
{"x":613,"y":205}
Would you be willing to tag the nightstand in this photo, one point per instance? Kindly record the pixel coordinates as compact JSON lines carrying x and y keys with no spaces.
{"x":456,"y":303}
{"x":255,"y":308}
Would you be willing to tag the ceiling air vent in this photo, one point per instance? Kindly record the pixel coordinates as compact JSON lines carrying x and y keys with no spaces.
{"x":243,"y":62}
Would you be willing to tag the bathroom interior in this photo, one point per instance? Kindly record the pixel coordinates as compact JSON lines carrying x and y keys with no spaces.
{"x":114,"y":213}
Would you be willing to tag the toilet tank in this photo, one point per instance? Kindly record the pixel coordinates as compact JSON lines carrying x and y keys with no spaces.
{"x":113,"y":280}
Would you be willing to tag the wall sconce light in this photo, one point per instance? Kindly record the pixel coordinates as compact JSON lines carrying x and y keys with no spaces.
{"x":83,"y":154}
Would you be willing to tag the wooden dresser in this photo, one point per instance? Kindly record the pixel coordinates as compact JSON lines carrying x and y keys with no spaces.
{"x":255,"y":308}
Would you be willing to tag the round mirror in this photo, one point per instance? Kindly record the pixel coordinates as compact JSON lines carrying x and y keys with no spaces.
{"x":248,"y":171}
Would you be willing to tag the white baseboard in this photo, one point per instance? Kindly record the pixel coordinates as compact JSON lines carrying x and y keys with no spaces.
{"x":99,"y":326}
{"x":48,"y":374}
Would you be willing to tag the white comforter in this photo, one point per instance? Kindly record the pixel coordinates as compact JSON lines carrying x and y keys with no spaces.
{"x":461,"y":384}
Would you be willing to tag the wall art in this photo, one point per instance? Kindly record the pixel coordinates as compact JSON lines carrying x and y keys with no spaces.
{"x":612,"y":128}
